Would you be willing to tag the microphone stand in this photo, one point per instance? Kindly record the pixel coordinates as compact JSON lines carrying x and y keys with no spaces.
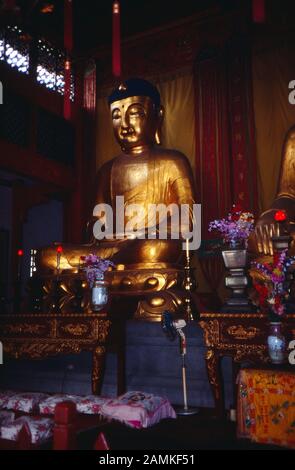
{"x":184,"y":410}
{"x":172,"y":329}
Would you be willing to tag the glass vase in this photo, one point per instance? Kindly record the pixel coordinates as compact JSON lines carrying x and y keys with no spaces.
{"x":99,"y":295}
{"x":276,"y":343}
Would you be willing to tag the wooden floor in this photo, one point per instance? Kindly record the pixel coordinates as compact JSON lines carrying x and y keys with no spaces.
{"x":196,"y":432}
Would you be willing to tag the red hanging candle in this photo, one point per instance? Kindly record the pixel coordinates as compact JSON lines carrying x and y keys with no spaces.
{"x":68,"y":44}
{"x":280,"y":216}
{"x":20,"y":254}
{"x":258,"y":11}
{"x":116,"y":39}
{"x":59,"y":251}
{"x":67,"y":91}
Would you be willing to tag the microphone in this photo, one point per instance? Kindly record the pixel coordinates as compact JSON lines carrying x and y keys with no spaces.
{"x":171,"y":327}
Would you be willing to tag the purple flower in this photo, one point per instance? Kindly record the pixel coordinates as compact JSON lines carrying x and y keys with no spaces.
{"x":95,"y":267}
{"x":235,"y":228}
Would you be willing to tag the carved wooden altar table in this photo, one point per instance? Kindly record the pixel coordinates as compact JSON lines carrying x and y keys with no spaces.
{"x":36,"y":336}
{"x":242,"y":336}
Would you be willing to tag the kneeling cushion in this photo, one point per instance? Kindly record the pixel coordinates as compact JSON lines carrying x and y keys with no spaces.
{"x":26,"y":402}
{"x":40,"y":429}
{"x":138,"y":409}
{"x":47,"y":406}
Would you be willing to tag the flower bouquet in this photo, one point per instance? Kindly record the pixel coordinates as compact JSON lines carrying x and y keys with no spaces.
{"x":95,"y":267}
{"x":271,"y":284}
{"x":236,"y":228}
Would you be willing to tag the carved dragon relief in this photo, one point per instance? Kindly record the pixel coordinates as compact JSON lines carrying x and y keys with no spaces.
{"x":40,"y":349}
{"x":75,"y":329}
{"x":243,"y":332}
{"x":24,"y":329}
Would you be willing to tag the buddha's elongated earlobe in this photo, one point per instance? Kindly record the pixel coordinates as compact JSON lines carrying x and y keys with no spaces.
{"x":159,"y":126}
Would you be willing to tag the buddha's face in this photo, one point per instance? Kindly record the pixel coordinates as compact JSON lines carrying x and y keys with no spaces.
{"x":135,"y":122}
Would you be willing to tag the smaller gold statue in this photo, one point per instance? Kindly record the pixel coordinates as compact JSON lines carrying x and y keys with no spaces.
{"x":266,"y":226}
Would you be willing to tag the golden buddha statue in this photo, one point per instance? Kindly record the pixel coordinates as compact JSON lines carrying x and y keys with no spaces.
{"x":143,"y":174}
{"x":266,"y":226}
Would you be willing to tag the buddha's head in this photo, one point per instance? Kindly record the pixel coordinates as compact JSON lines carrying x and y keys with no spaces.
{"x":136,"y":114}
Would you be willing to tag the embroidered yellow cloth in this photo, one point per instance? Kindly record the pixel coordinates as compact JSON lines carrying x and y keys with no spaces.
{"x":266,"y":406}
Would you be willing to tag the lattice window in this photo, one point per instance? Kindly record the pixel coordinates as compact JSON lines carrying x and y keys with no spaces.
{"x":50,"y":68}
{"x":46,"y":65}
{"x":15,"y":50}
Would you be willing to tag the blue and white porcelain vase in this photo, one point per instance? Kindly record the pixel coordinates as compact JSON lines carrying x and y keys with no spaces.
{"x":276,"y":343}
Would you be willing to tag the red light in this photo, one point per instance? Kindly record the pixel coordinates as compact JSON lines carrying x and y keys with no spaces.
{"x":59,"y":249}
{"x":280,"y":216}
{"x":20,"y":253}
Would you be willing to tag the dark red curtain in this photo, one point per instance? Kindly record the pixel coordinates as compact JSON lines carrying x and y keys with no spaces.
{"x":225,"y":133}
{"x":241,"y":124}
{"x":212,"y":149}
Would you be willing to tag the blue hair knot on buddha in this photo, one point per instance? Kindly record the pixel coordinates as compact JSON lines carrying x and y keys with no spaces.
{"x":135,"y":87}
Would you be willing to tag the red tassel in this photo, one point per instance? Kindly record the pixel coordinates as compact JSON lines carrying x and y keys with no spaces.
{"x":258,"y":11}
{"x":116,"y":40}
{"x":67,"y":90}
{"x":68,"y":44}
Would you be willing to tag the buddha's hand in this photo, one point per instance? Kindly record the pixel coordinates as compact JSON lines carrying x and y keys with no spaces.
{"x":266,"y":228}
